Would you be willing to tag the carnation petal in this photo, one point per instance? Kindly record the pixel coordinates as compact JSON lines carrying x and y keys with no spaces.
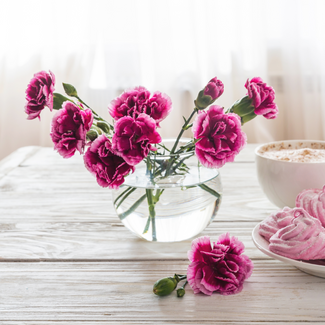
{"x":198,"y":281}
{"x":199,"y":244}
{"x":209,"y":279}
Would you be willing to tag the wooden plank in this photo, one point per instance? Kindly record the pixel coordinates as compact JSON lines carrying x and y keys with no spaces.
{"x":248,"y":153}
{"x":100,"y":241}
{"x":16,"y":158}
{"x":156,"y":322}
{"x":62,"y":191}
{"x":122,"y":291}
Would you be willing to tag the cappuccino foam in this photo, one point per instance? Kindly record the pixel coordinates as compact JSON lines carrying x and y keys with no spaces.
{"x":297,"y":155}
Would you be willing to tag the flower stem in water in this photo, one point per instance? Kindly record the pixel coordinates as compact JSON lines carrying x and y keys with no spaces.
{"x":152,"y":212}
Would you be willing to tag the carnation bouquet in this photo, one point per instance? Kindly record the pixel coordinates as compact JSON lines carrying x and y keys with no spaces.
{"x":113,"y":152}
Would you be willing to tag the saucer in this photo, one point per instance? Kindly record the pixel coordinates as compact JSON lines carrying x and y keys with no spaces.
{"x":316,"y":267}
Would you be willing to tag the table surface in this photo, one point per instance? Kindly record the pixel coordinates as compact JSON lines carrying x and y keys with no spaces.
{"x":65,"y":258}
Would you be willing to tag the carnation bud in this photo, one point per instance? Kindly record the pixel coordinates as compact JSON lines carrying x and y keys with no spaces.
{"x":165,"y":286}
{"x":244,"y":108}
{"x":104,"y":126}
{"x":92,"y":134}
{"x":212,"y":91}
{"x":248,"y":117}
{"x":70,"y":90}
{"x":180,"y":292}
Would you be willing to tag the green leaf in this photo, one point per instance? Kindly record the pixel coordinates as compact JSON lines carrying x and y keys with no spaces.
{"x":70,"y":90}
{"x":128,"y":189}
{"x":58,"y":100}
{"x":210,"y":190}
{"x":125,"y":196}
{"x":163,"y":146}
{"x":133,"y":207}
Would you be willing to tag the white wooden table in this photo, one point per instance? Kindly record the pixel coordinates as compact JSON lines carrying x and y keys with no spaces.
{"x":65,"y":258}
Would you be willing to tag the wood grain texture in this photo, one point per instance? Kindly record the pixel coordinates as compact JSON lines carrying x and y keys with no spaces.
{"x":122,"y":291}
{"x":16,"y":158}
{"x":65,"y":258}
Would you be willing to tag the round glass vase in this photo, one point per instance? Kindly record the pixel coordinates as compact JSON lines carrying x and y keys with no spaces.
{"x":169,"y":198}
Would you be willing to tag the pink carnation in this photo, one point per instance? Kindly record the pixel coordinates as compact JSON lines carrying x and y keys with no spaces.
{"x":133,"y":138}
{"x":214,"y":88}
{"x":263,"y":98}
{"x":102,"y":162}
{"x":39,"y":93}
{"x":221,"y":137}
{"x":221,"y":268}
{"x":135,"y":101}
{"x":69,"y":128}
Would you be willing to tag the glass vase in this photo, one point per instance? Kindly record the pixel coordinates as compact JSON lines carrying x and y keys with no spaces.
{"x":169,"y":198}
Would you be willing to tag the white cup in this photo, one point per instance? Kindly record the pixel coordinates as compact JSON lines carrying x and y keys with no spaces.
{"x":282,"y":181}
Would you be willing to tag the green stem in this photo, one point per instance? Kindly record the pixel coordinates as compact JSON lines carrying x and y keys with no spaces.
{"x":146,"y":228}
{"x":182,"y":161}
{"x":96,"y":116}
{"x":133,"y":207}
{"x":180,"y":277}
{"x":172,"y":152}
{"x":184,"y":285}
{"x":158,"y":194}
{"x":182,"y":130}
{"x":152,"y":212}
{"x":190,"y":146}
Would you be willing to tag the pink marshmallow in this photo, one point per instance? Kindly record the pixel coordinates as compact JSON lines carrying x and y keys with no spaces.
{"x":274,"y":222}
{"x":303,"y":238}
{"x":313,"y":201}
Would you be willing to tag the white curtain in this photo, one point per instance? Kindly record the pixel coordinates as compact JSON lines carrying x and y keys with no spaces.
{"x":174,"y":46}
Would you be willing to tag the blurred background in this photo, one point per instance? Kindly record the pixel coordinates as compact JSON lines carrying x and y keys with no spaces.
{"x":174,"y":46}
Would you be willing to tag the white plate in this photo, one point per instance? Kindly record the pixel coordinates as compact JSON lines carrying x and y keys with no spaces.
{"x":308,"y":267}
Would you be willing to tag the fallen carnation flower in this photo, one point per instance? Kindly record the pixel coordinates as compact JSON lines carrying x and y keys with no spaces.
{"x":39,"y":93}
{"x":69,"y":128}
{"x":220,"y":268}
